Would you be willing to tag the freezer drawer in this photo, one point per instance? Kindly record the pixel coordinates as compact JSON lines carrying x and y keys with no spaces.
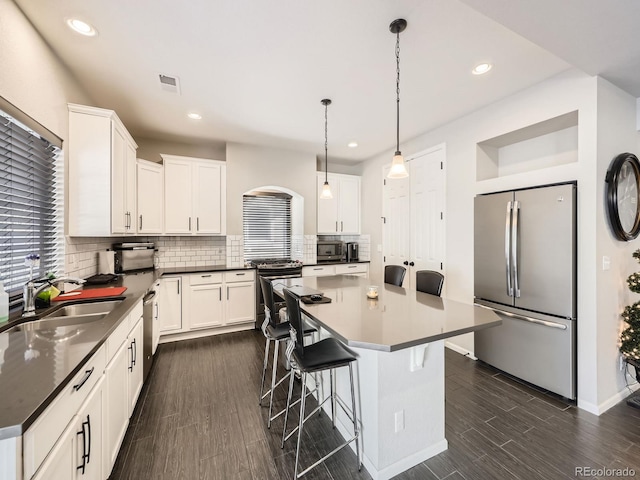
{"x":539,"y":350}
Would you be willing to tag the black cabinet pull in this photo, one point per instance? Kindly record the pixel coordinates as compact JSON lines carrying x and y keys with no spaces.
{"x":84,"y":379}
{"x":135,"y":351}
{"x":130,"y":348}
{"x":89,"y":438}
{"x":140,"y":222}
{"x":197,"y":224}
{"x":189,"y":223}
{"x":85,"y":451}
{"x":205,"y":276}
{"x":240,"y":274}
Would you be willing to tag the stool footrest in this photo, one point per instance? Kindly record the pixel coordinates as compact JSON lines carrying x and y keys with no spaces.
{"x":335,"y":450}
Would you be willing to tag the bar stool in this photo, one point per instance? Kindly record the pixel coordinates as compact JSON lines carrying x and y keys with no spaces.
{"x":276,"y":332}
{"x":327,"y":354}
{"x":429,"y":281}
{"x":394,"y":274}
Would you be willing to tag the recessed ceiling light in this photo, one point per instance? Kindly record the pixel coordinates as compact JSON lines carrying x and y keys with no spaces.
{"x":352,"y":144}
{"x":194,"y":116}
{"x":81,"y":27}
{"x":481,"y":68}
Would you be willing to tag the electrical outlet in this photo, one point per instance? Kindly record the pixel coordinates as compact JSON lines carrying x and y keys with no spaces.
{"x":399,"y":421}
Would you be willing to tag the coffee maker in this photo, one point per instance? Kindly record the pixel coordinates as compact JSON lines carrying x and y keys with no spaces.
{"x":352,"y":252}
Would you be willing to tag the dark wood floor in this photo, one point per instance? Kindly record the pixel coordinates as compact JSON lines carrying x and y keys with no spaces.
{"x":198,"y":418}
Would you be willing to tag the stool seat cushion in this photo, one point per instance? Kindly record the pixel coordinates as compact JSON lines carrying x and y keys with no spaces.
{"x":281,"y":330}
{"x":322,"y":355}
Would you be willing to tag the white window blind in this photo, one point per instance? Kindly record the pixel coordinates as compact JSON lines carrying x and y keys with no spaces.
{"x":31,"y":190}
{"x":267,"y":226}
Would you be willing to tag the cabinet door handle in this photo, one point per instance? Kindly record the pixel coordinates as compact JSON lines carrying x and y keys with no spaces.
{"x":178,"y":283}
{"x":351,"y":266}
{"x":319,"y":268}
{"x":205,"y":276}
{"x":336,"y":225}
{"x":89,"y":439}
{"x":140,"y":222}
{"x":189,"y":223}
{"x":240,"y":274}
{"x":197,"y":224}
{"x":227,"y":293}
{"x":341,"y":226}
{"x":220,"y":292}
{"x":84,"y":449}
{"x":157,"y":310}
{"x":135,"y":351}
{"x":84,"y":379}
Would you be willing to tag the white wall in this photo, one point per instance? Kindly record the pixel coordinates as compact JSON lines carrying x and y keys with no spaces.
{"x":151,"y":148}
{"x":250,"y":167}
{"x":597,"y":102}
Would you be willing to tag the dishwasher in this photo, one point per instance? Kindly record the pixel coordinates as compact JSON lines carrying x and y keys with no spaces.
{"x":149,"y":313}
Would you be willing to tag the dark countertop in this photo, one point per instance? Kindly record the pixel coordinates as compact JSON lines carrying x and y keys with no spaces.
{"x":33,"y":370}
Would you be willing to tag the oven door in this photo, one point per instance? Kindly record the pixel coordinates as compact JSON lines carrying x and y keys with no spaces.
{"x":271,"y":275}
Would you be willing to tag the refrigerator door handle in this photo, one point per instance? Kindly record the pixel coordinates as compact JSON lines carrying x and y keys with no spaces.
{"x":537,"y":321}
{"x":507,"y":248}
{"x":514,"y":247}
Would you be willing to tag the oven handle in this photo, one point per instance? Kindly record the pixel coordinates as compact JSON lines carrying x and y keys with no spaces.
{"x":271,"y":277}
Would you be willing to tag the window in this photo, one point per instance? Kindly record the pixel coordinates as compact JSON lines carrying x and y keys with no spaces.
{"x":31,"y":192}
{"x":267,"y":225}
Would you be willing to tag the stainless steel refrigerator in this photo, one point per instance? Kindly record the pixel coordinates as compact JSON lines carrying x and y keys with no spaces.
{"x":525,"y":270}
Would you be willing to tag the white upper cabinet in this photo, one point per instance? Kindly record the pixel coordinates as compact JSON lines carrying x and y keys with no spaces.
{"x":341,"y":214}
{"x":150,"y":194}
{"x":195,"y":196}
{"x":102,"y":174}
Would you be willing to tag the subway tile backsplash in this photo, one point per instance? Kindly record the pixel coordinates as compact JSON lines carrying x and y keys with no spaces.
{"x":81,"y":253}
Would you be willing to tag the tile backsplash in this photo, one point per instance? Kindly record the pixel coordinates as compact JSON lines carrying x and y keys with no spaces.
{"x":81,"y":253}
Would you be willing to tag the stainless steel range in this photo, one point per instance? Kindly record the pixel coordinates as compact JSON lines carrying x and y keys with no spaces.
{"x":272,"y":269}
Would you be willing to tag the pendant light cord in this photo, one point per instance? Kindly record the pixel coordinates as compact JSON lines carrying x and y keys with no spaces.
{"x":398,"y":93}
{"x":326,"y":175}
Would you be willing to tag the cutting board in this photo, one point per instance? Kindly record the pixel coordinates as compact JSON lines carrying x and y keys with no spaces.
{"x":90,"y":293}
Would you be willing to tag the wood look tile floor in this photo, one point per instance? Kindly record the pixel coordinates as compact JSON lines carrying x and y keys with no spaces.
{"x":198,"y":418}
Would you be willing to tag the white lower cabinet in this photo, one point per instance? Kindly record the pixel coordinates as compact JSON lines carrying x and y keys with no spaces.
{"x":209,"y":300}
{"x":78,"y":452}
{"x":358,"y":269}
{"x":170,"y":318}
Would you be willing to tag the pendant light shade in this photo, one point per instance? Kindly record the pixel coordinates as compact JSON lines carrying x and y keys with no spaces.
{"x":326,"y":189}
{"x":398,"y":167}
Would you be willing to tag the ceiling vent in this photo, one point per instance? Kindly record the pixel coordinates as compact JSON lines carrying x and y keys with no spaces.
{"x":170,"y":84}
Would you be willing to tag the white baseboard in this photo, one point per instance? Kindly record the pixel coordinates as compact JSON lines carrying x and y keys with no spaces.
{"x":460,"y":350}
{"x":608,"y":403}
{"x":175,"y":337}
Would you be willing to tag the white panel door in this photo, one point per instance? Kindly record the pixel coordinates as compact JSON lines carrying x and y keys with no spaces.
{"x":116,"y":416}
{"x":205,"y":305}
{"x":207,"y":201}
{"x":171,"y":301}
{"x":427,"y":211}
{"x":240,"y":302}
{"x":178,"y":197}
{"x":396,"y":207}
{"x":414,"y":207}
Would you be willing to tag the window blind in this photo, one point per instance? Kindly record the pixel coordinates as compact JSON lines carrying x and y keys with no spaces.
{"x":267,"y":226}
{"x":31,"y":190}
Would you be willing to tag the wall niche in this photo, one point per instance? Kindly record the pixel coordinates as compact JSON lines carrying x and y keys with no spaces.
{"x":545,"y":144}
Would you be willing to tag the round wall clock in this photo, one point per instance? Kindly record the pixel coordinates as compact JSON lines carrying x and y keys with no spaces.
{"x":623,"y":188}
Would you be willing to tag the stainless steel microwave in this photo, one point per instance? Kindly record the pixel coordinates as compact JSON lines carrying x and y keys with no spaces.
{"x":331,"y":251}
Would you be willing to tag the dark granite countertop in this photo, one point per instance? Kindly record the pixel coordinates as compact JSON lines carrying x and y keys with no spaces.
{"x":33,"y":370}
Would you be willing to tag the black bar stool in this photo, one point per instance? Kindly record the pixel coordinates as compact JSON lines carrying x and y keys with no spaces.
{"x":429,"y":281}
{"x":394,"y":274}
{"x":327,"y":354}
{"x":276,"y":332}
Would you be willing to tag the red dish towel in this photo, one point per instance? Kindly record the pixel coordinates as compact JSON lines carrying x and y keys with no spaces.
{"x":90,"y":293}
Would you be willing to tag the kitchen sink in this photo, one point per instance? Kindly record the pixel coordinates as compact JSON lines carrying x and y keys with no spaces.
{"x":84,"y":310}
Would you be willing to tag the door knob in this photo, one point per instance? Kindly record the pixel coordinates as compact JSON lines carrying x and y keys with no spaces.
{"x":411,"y":264}
{"x":405,"y":263}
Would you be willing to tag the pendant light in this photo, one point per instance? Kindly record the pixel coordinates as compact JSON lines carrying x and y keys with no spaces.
{"x":326,"y":189}
{"x":398,"y":168}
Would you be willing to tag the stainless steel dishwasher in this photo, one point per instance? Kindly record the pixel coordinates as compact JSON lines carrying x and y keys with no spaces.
{"x":147,"y":325}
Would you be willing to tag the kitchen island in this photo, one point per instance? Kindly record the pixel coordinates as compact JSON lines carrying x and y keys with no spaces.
{"x":399,"y":340}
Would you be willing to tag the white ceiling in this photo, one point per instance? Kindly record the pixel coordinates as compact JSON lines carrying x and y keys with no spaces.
{"x":256,"y":70}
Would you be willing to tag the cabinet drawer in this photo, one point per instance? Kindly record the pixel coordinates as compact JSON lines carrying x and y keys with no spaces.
{"x":239,"y":276}
{"x":205,"y":278}
{"x":116,"y":339}
{"x":318,"y":271}
{"x":352,"y":268}
{"x":45,"y":431}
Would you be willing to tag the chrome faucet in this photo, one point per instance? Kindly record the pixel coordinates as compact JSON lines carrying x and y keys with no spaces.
{"x":33,"y":287}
